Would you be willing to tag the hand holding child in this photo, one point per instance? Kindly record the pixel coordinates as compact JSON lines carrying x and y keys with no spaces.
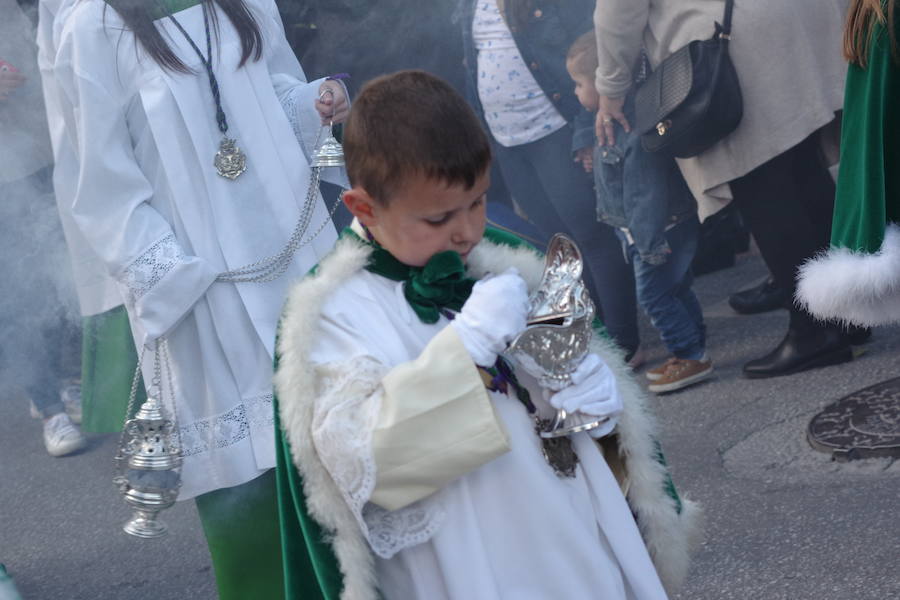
{"x":332,"y":103}
{"x":585,"y":156}
{"x":493,"y":316}
{"x":608,"y":112}
{"x":593,"y":392}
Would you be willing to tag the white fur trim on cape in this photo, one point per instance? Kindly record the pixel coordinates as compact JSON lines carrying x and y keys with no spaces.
{"x":670,"y":537}
{"x":852,"y":287}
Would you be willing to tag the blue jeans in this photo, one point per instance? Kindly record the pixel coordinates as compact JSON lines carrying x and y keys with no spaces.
{"x":558,"y":196}
{"x":642,"y":191}
{"x":664,"y":291}
{"x":39,"y":324}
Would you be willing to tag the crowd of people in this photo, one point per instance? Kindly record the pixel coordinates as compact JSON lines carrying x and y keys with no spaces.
{"x":161,"y":151}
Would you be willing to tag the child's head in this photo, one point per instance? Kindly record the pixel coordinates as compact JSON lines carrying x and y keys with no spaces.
{"x":581,"y":62}
{"x":418,"y":162}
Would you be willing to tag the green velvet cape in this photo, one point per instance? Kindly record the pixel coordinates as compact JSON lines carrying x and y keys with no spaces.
{"x":868,"y":189}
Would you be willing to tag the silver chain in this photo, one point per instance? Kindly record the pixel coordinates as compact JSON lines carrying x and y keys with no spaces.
{"x":121,"y":454}
{"x":164,"y":347}
{"x":273,"y":267}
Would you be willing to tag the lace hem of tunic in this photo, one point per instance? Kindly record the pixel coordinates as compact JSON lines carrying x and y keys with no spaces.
{"x":347,"y":408}
{"x":227,"y":428}
{"x":150,"y":267}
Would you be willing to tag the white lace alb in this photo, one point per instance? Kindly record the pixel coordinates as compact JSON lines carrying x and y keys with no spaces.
{"x":289,"y":104}
{"x":150,"y":267}
{"x":228,"y":428}
{"x":347,"y":406}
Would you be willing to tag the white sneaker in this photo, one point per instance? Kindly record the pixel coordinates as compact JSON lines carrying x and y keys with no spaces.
{"x":61,"y":437}
{"x":71,"y":399}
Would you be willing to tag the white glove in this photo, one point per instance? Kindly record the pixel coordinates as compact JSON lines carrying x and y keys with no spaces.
{"x":493,"y":316}
{"x":593,"y":392}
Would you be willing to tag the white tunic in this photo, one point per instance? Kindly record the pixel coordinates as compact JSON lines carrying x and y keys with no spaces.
{"x":164,"y":223}
{"x":509,"y":529}
{"x":97,"y":291}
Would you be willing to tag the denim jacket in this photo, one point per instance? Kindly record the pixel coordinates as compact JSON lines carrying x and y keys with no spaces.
{"x":543,"y":43}
{"x":641,"y":192}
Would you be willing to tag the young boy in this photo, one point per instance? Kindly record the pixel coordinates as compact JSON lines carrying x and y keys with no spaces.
{"x":645,"y":197}
{"x":408,"y":464}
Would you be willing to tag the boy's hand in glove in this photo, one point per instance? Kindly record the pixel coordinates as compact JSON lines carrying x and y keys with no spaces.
{"x":493,"y":316}
{"x":593,"y":392}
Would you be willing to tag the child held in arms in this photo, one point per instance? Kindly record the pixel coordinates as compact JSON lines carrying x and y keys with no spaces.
{"x":409,"y":463}
{"x":644,"y":196}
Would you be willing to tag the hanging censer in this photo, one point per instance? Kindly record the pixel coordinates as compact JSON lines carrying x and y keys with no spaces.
{"x":327,"y":154}
{"x":148,"y":461}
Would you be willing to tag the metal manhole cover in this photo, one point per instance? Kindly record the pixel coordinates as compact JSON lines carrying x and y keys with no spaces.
{"x":865,"y":424}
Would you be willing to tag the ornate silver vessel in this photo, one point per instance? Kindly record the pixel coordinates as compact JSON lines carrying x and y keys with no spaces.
{"x":560,"y":330}
{"x":149,"y":459}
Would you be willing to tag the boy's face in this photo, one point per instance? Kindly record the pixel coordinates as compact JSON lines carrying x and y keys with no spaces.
{"x":424,"y":217}
{"x":586,"y":92}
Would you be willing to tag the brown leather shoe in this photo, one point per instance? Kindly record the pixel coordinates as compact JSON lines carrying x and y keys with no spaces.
{"x":657,"y":372}
{"x":680,"y":373}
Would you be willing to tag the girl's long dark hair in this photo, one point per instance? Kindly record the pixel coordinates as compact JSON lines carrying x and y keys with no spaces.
{"x":140,"y":14}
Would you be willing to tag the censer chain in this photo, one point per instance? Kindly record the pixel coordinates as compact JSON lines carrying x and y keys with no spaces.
{"x":129,"y":412}
{"x":273,"y":267}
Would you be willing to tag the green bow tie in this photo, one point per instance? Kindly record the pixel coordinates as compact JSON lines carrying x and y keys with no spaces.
{"x":440,"y":284}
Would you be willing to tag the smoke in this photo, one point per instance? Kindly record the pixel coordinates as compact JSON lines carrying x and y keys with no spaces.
{"x":367,"y":39}
{"x":39,"y":319}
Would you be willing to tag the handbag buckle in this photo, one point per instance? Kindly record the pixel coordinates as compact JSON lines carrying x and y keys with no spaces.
{"x":663,"y":127}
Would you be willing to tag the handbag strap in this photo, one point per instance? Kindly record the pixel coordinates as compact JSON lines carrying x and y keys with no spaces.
{"x":726,"y":23}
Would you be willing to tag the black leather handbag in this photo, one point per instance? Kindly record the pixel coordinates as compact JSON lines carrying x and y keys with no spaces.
{"x":693,"y":99}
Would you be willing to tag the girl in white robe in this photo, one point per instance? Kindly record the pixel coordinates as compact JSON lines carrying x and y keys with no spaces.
{"x":152,"y":206}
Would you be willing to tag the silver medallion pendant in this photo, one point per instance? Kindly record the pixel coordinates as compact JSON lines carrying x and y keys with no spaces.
{"x":558,"y":452}
{"x":230,"y":162}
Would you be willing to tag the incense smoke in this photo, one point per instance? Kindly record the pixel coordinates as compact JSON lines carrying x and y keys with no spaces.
{"x":38,"y":310}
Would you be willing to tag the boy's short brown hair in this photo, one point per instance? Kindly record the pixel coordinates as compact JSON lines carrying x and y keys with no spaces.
{"x":581,"y":58}
{"x":412,"y":123}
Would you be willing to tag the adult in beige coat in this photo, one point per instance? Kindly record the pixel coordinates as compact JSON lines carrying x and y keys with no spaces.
{"x":788,"y":59}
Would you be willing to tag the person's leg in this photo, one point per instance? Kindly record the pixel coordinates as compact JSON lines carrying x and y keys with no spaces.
{"x":525,"y":188}
{"x":684,"y":242}
{"x":664,"y":293}
{"x":568,"y":190}
{"x":778,"y":200}
{"x":33,"y":249}
{"x":787,"y":203}
{"x":244,"y":539}
{"x":28,"y":306}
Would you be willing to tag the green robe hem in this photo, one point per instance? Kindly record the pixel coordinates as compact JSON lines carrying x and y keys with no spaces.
{"x":108,"y":362}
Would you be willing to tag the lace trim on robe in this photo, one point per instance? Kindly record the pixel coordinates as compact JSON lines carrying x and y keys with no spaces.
{"x":228,"y":428}
{"x":347,"y":408}
{"x":289,"y":104}
{"x":150,"y":267}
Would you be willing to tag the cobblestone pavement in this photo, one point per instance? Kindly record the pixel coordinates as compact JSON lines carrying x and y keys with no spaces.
{"x":783,"y":521}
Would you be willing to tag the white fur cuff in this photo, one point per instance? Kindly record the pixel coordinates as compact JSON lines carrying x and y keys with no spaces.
{"x":852,"y":287}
